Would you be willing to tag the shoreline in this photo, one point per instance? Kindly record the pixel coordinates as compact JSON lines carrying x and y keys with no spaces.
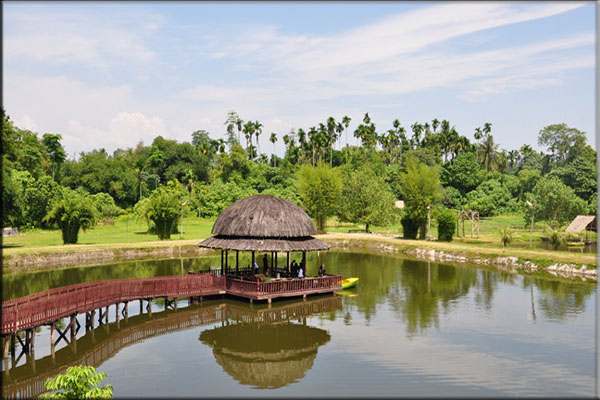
{"x":523,"y":260}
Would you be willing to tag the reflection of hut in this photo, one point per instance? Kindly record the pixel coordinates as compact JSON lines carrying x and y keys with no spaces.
{"x":268,"y":356}
{"x":583,"y":223}
{"x":263,"y":223}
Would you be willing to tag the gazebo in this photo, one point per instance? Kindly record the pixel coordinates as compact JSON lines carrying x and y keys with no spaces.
{"x":582,"y":223}
{"x":263,"y":223}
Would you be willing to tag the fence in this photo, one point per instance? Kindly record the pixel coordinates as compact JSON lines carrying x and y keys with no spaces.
{"x":51,"y":305}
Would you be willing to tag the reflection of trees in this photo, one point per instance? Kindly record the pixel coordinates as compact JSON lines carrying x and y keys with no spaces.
{"x":424,"y":288}
{"x":560,"y":298}
{"x":378,"y":274}
{"x":487,"y":283}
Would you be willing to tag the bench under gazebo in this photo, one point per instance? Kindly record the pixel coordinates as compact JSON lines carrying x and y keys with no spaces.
{"x":267,"y":224}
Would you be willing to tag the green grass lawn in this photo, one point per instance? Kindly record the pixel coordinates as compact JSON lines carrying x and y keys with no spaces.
{"x":122,"y":231}
{"x":126,"y":232}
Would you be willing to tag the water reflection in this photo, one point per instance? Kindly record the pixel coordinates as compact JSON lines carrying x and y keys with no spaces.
{"x":265,"y":356}
{"x":103,"y":343}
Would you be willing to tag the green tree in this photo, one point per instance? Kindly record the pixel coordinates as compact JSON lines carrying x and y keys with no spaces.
{"x":506,"y":236}
{"x":55,"y":151}
{"x":320,"y":188}
{"x":556,"y":203}
{"x":446,"y":220}
{"x":164,"y":210}
{"x":489,"y":198}
{"x":79,"y":382}
{"x":564,"y":143}
{"x":420,"y":186}
{"x":72,"y":212}
{"x":367,"y":199}
{"x":487,"y":152}
{"x":463,"y":174}
{"x":273,"y":139}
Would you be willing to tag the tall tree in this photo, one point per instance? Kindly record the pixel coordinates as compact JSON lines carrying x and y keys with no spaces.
{"x":320,"y":188}
{"x":258,"y":131}
{"x":565,"y":143}
{"x":420,"y":187}
{"x":55,"y":151}
{"x":230,"y":123}
{"x":366,"y":198}
{"x":273,"y":139}
{"x":487,"y":152}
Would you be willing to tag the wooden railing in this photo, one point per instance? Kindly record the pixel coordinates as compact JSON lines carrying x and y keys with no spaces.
{"x":51,"y":305}
{"x":289,"y":286}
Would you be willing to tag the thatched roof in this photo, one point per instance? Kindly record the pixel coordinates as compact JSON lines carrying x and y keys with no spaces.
{"x":258,"y":244}
{"x":264,"y":223}
{"x":264,"y":216}
{"x":582,"y":222}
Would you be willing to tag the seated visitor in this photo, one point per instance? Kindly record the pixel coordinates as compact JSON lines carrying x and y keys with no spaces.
{"x":300,"y":273}
{"x":322,"y":270}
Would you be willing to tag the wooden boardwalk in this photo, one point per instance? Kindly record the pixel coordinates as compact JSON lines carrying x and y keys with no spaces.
{"x":46,"y":308}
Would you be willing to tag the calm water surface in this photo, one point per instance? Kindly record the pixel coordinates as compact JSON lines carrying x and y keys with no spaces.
{"x":411,"y":328}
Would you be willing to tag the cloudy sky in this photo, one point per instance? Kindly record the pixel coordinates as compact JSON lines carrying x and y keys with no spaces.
{"x":108,"y":75}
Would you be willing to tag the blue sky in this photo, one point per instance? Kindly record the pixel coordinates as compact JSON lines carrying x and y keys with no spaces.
{"x":108,"y":75}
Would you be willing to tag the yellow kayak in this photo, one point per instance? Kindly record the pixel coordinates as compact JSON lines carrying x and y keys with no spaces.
{"x":349,"y":283}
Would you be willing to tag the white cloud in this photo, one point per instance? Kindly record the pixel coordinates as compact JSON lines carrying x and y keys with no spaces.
{"x":26,"y":122}
{"x":67,"y":38}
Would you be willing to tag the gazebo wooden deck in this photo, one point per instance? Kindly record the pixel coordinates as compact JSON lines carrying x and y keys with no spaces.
{"x":268,"y":224}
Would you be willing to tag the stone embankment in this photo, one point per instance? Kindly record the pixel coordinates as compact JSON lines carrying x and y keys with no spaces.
{"x":511,"y":264}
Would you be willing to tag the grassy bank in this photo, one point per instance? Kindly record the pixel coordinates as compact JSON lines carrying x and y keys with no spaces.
{"x":127,"y":234}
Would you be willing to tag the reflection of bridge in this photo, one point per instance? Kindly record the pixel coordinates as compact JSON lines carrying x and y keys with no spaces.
{"x":102,"y":343}
{"x":46,"y":308}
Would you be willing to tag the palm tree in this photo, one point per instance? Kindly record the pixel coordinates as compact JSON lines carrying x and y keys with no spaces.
{"x":417,"y":129}
{"x":258,"y":131}
{"x":248,"y":129}
{"x":346,"y":121}
{"x":312,"y":137}
{"x":331,"y":137}
{"x":273,"y":139}
{"x":487,"y":152}
{"x":239,"y":124}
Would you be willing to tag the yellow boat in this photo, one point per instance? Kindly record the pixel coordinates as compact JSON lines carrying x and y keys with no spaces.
{"x":349,"y":283}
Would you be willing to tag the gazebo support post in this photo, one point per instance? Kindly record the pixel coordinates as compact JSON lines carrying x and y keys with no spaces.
{"x":252,"y":265}
{"x":288,"y":262}
{"x":275,"y":270}
{"x":303,"y":263}
{"x":272,"y":262}
{"x":221,"y":261}
{"x":237,"y":262}
{"x":226,"y":260}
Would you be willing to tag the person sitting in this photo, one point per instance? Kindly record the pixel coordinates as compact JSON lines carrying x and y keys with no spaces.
{"x":300,"y":273}
{"x":322,"y":270}
{"x":265,"y":264}
{"x":294,"y":268}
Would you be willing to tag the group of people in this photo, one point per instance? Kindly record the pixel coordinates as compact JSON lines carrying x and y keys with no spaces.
{"x":296,"y":269}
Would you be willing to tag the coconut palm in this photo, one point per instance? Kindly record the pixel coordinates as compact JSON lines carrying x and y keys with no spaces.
{"x":258,"y":131}
{"x":273,"y":139}
{"x":346,"y":121}
{"x":487,"y":152}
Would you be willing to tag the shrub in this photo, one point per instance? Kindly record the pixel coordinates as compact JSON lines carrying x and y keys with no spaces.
{"x":79,"y":382}
{"x":164,"y":210}
{"x":446,"y":225}
{"x":72,"y":212}
{"x":410,"y":227}
{"x":555,"y":237}
{"x":506,"y":236}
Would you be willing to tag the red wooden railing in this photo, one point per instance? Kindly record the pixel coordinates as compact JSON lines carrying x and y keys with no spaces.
{"x":51,"y":305}
{"x":282,"y":287}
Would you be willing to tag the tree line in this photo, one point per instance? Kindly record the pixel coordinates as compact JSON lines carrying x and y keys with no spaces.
{"x":429,"y":165}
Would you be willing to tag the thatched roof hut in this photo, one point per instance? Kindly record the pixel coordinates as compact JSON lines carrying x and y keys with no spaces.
{"x":267,"y":224}
{"x":264,"y":223}
{"x":581,"y":222}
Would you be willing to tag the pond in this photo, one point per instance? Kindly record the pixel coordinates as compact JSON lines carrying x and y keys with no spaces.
{"x":410,"y":329}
